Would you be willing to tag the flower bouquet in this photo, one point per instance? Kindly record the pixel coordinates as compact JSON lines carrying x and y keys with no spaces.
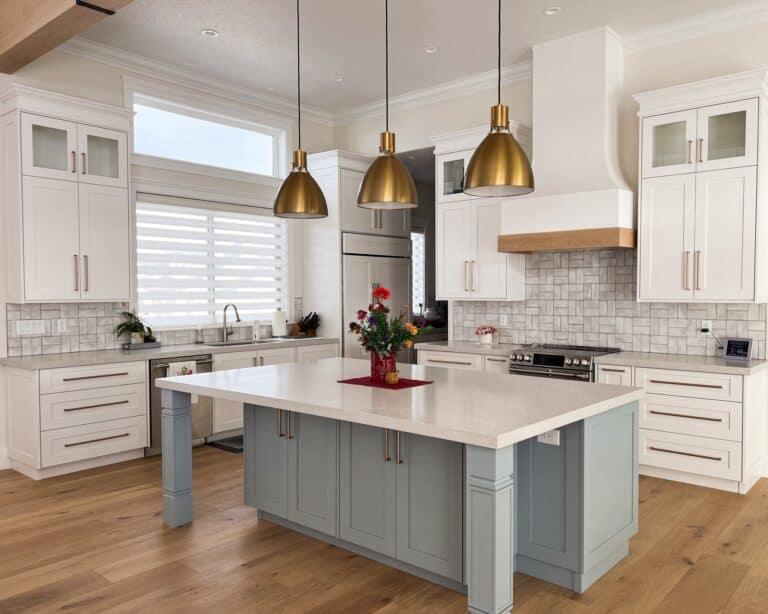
{"x":486,"y":333}
{"x":383,"y":337}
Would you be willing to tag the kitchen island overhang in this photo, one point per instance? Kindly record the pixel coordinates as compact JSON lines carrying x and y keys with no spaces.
{"x":446,"y":481}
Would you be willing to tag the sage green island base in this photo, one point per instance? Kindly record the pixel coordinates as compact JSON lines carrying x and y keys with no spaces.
{"x":460,"y":514}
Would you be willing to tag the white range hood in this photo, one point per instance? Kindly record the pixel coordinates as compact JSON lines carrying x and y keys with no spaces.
{"x":581,"y":199}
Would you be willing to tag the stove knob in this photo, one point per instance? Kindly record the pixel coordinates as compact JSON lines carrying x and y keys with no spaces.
{"x":568,"y":362}
{"x":527,"y":358}
{"x":584,"y":362}
{"x":516,"y":357}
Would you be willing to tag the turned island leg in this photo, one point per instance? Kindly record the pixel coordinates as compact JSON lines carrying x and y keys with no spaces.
{"x":489,"y":540}
{"x":177,"y":457}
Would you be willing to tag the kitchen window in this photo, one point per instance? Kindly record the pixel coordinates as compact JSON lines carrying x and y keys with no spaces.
{"x":418,"y":268}
{"x":171,"y":131}
{"x":192,"y":260}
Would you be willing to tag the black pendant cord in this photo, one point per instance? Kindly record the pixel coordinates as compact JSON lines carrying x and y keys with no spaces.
{"x":298,"y":66}
{"x":498,"y":61}
{"x":386,"y":63}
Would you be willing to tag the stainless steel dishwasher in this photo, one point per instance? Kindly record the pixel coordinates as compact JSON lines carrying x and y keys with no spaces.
{"x":202,"y":407}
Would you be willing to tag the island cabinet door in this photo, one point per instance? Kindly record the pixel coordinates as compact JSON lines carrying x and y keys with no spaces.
{"x":430,"y":504}
{"x":313,"y":446}
{"x":266,"y":463}
{"x":367,"y":487}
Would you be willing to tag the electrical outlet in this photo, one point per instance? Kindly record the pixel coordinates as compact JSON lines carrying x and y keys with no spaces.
{"x":504,"y":321}
{"x":705,"y":325}
{"x":551,"y":438}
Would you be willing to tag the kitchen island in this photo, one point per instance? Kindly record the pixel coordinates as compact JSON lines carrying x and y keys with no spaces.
{"x":447,"y":481}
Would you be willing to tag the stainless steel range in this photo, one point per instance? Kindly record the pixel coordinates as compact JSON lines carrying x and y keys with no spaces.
{"x":557,"y":361}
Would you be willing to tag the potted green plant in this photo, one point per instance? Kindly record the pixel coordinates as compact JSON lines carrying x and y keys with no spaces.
{"x":134,"y":329}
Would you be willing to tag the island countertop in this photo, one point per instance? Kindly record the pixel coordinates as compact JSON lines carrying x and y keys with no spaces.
{"x":483,"y":409}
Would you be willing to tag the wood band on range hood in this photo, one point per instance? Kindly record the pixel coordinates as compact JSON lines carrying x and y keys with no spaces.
{"x":587,"y":238}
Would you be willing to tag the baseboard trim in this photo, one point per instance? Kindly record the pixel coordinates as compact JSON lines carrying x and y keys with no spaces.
{"x":695,"y":479}
{"x":5,"y":462}
{"x":91,"y":463}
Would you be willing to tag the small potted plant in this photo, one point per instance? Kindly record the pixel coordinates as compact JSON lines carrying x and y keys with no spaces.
{"x":137,"y":332}
{"x":383,"y":337}
{"x":486,"y":333}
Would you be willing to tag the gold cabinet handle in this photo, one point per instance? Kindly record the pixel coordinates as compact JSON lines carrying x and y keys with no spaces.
{"x":85,"y":165}
{"x":100,"y":376}
{"x":77,"y":273}
{"x":701,"y":150}
{"x":489,"y":359}
{"x":673,"y":414}
{"x":288,"y":418}
{"x":690,"y":151}
{"x":607,"y":370}
{"x":387,"y":457}
{"x":697,"y":269}
{"x":686,"y":269}
{"x":448,"y":362}
{"x":86,"y":274}
{"x":74,"y":161}
{"x":666,"y":451}
{"x":280,"y":423}
{"x":466,"y":276}
{"x":82,"y":443}
{"x":397,"y":446}
{"x":473,"y":271}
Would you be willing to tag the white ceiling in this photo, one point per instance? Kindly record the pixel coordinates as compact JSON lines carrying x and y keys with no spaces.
{"x":344,"y":38}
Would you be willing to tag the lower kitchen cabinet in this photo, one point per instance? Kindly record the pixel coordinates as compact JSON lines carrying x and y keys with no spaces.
{"x":404,"y":500}
{"x":295,"y":460}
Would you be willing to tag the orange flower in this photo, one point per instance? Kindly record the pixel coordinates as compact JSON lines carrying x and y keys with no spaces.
{"x":408,"y":343}
{"x":411,"y":328}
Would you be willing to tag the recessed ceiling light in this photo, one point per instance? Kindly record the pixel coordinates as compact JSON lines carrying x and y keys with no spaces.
{"x":270,"y":89}
{"x":430,"y":50}
{"x":339,"y":79}
{"x":209,"y":33}
{"x":552,"y":10}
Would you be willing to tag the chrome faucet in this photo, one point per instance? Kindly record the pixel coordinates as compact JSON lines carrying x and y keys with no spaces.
{"x":227,"y":330}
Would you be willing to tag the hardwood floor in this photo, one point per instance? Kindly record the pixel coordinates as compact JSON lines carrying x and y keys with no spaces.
{"x":94,"y":542}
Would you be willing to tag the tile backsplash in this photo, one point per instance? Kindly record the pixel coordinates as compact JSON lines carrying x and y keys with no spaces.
{"x":588,"y":297}
{"x":85,"y":327}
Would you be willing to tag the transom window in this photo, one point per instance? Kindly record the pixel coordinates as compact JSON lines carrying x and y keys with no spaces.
{"x":167,"y":130}
{"x":192,"y":261}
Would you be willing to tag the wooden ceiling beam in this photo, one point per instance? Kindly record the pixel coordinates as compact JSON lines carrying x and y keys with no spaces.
{"x":31,"y":28}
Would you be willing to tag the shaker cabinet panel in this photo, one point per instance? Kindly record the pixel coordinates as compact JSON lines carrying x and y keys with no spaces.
{"x":266,"y":485}
{"x":48,"y":147}
{"x":724,"y":258}
{"x":488,"y":273}
{"x":454,"y":250}
{"x":103,"y":156}
{"x":51,"y":240}
{"x":666,"y":238}
{"x":727,"y":135}
{"x":669,"y":144}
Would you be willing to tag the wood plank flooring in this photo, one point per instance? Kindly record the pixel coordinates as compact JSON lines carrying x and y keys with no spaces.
{"x":94,"y":542}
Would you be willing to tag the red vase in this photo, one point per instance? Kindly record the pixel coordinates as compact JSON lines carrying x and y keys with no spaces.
{"x":381,"y":366}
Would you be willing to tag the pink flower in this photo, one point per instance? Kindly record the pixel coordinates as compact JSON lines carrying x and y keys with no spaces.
{"x":361,"y":314}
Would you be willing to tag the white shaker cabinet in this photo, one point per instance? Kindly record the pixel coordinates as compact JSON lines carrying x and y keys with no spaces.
{"x":48,"y":147}
{"x":702,"y":229}
{"x":469,"y":265}
{"x":103,"y":156}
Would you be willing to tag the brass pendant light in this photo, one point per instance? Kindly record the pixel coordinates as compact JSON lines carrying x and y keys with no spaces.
{"x":300,"y":197}
{"x":387,"y":184}
{"x":499,"y":166}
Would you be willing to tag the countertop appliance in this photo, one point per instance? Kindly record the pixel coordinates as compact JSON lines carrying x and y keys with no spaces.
{"x":557,"y":361}
{"x":369,"y":262}
{"x":202,"y":407}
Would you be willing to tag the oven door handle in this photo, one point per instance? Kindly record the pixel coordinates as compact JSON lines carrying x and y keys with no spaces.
{"x":586,"y":376}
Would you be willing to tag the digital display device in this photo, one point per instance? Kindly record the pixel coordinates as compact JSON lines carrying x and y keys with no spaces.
{"x":737,"y":348}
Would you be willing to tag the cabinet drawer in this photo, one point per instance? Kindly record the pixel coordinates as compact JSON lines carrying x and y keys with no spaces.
{"x":717,"y":386}
{"x":704,"y":417}
{"x":62,"y":409}
{"x":496,"y":364}
{"x":95,"y":376}
{"x":451,"y":360}
{"x":76,"y":443}
{"x":614,"y":374}
{"x":700,"y":455}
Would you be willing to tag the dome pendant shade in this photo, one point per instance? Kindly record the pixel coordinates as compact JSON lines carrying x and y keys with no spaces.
{"x":499,"y":166}
{"x":387,"y":183}
{"x":300,"y":197}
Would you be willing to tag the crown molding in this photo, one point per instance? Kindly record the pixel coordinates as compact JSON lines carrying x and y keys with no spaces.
{"x":712,"y":22}
{"x":479,"y":82}
{"x":147,"y":67}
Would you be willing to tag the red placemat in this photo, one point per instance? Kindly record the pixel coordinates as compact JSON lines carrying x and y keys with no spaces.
{"x":404,"y":382}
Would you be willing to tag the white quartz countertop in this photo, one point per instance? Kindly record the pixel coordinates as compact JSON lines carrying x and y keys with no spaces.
{"x":468,"y":347}
{"x":653,"y":360}
{"x":102,"y":357}
{"x":484,"y":409}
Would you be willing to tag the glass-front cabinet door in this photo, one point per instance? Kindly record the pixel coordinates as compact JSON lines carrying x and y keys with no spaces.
{"x":669,"y":144}
{"x":727,"y":135}
{"x":451,"y":168}
{"x":48,"y":147}
{"x":102,"y":156}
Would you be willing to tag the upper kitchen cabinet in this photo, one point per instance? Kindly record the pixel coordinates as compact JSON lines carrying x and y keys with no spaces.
{"x":66,"y":209}
{"x":468,"y":263}
{"x":703,"y":222}
{"x":707,"y":138}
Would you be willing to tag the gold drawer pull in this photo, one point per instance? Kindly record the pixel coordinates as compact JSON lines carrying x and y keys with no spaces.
{"x":77,"y":379}
{"x":607,"y":370}
{"x":82,"y":443}
{"x":666,"y":413}
{"x":704,"y":456}
{"x":661,"y":381}
{"x":489,"y":359}
{"x":99,"y":405}
{"x":449,"y":362}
